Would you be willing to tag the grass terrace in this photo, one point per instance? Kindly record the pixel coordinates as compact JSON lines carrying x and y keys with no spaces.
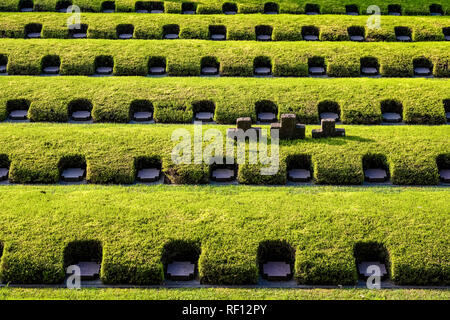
{"x":405,"y":7}
{"x":236,"y":27}
{"x":233,"y":58}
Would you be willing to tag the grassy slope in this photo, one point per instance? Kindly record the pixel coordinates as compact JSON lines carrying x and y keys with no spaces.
{"x":239,"y":27}
{"x":249,"y":6}
{"x":227,"y":223}
{"x":220,"y":294}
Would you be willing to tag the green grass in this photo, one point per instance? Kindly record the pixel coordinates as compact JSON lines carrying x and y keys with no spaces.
{"x":139,"y":225}
{"x":221,"y":294}
{"x":174,"y":99}
{"x":409,"y":7}
{"x":35,"y":151}
{"x":239,"y":27}
{"x":236,"y":58}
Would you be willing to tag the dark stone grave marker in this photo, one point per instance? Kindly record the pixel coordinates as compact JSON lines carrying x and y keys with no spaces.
{"x":447,"y":115}
{"x":104,"y":70}
{"x":267,"y":117}
{"x":171,"y":36}
{"x":223,"y":175}
{"x":299,"y":175}
{"x":329,"y":115}
{"x":244,"y":124}
{"x":157,"y":70}
{"x":362,"y":268}
{"x":73,"y":174}
{"x":392,"y":117}
{"x":375,"y":175}
{"x":18,"y":115}
{"x":125,"y":36}
{"x":204,"y":116}
{"x":4,"y":174}
{"x":210,"y":71}
{"x":317,"y":71}
{"x":218,"y":36}
{"x":142,"y":116}
{"x":445,"y":175}
{"x":263,"y":71}
{"x":34,"y":35}
{"x":2,"y":68}
{"x":51,"y":70}
{"x":148,"y":175}
{"x":181,"y":270}
{"x":369,"y":71}
{"x":82,"y":115}
{"x":328,"y":129}
{"x":422,"y":71}
{"x":277,"y":271}
{"x":311,"y":37}
{"x":89,"y":270}
{"x":289,"y":128}
{"x":404,"y":38}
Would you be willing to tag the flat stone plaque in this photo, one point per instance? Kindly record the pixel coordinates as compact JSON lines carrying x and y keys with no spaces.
{"x":18,"y":115}
{"x":180,"y":270}
{"x":188,"y":12}
{"x":104,"y":70}
{"x":329,"y":115}
{"x":362,"y":268}
{"x":157,"y":70}
{"x":3,"y":174}
{"x":142,"y":116}
{"x":34,"y":35}
{"x":148,"y":175}
{"x":353,"y":13}
{"x":447,"y":38}
{"x":73,"y":174}
{"x":3,"y":69}
{"x":79,"y":35}
{"x":51,"y":70}
{"x":311,"y":37}
{"x":369,"y":71}
{"x":264,"y":37}
{"x":312,"y":13}
{"x":81,"y":115}
{"x":277,"y":271}
{"x":357,"y":38}
{"x":217,"y":36}
{"x":422,"y":71}
{"x":375,"y":175}
{"x":26,"y":9}
{"x":210,"y":71}
{"x":223,"y":175}
{"x":204,"y":116}
{"x":89,"y":270}
{"x":142,"y":11}
{"x":171,"y":36}
{"x":262,"y":71}
{"x":317,"y":71}
{"x":125,"y":36}
{"x":156,"y":11}
{"x":435,"y":14}
{"x":299,"y":175}
{"x":271,"y":12}
{"x":392,"y":117}
{"x":63,"y":10}
{"x":267,"y":117}
{"x":447,"y":115}
{"x":229,"y":12}
{"x":445,"y":175}
{"x":108,"y":11}
{"x":403,"y":38}
{"x":394,"y":13}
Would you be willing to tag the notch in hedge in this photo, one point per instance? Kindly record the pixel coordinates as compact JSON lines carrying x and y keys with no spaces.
{"x":33,"y":30}
{"x":299,"y":167}
{"x":229,"y":8}
{"x":352,"y":10}
{"x":180,"y":259}
{"x":210,"y":66}
{"x":149,"y":7}
{"x":156,"y":66}
{"x":72,"y":168}
{"x":403,"y":34}
{"x":148,"y":169}
{"x":26,"y":5}
{"x":203,"y":110}
{"x":266,"y":111}
{"x":223,"y":172}
{"x":188,"y":8}
{"x":87,"y":255}
{"x":271,"y":8}
{"x":262,"y":66}
{"x":443,"y":164}
{"x":17,"y":109}
{"x":423,"y":67}
{"x":50,"y":64}
{"x":310,"y":33}
{"x":104,"y":65}
{"x":108,"y":7}
{"x":124,"y":31}
{"x":4,"y":168}
{"x":329,"y":110}
{"x":263,"y":33}
{"x":436,"y":10}
{"x":217,"y":32}
{"x":447,"y":109}
{"x":80,"y":110}
{"x":62,"y":6}
{"x":357,"y":33}
{"x":391,"y":111}
{"x":3,"y":64}
{"x":317,"y":66}
{"x":446,"y":32}
{"x":368,"y":254}
{"x":141,"y":110}
{"x":375,"y":168}
{"x":312,"y":9}
{"x":369,"y":66}
{"x":276,"y":260}
{"x":78,"y":33}
{"x":171,"y":31}
{"x":394,"y":10}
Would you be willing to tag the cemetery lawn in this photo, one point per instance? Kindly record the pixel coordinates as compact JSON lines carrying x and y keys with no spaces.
{"x":221,"y":294}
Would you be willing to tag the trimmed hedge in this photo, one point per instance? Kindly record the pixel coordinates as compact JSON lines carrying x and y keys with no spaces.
{"x":407,"y":7}
{"x":174,"y":100}
{"x":236,"y":58}
{"x":141,"y":228}
{"x":238,"y":27}
{"x":36,"y":153}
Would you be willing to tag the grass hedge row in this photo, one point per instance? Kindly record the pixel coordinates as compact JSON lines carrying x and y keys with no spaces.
{"x":37,"y":153}
{"x":406,"y":7}
{"x":230,"y":229}
{"x":175,"y":100}
{"x":238,"y":27}
{"x":234,"y":58}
